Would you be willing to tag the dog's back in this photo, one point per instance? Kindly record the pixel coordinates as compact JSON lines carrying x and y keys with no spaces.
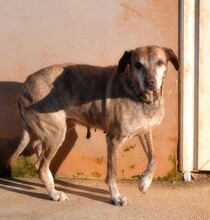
{"x":80,"y":90}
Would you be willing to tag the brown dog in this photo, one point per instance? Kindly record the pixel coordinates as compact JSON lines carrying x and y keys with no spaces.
{"x":124,"y":100}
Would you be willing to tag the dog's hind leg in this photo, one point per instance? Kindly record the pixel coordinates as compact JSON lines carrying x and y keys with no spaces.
{"x":45,"y":173}
{"x":52,"y":130}
{"x":147,"y":176}
{"x":112,"y":146}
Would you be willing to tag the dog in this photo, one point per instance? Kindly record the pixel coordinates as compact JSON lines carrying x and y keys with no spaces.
{"x":124,"y":101}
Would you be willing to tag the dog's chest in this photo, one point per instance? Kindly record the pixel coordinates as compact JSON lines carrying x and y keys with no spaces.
{"x":141,"y":118}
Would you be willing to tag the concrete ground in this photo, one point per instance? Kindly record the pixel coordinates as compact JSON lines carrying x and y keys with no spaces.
{"x":26,"y":198}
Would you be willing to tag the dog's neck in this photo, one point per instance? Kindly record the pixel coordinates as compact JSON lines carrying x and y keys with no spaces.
{"x":148,"y":97}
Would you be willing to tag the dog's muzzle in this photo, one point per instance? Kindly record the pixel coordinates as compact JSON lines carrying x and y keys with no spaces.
{"x":151,"y":84}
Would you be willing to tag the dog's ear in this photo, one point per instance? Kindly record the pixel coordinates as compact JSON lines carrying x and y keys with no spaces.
{"x":172,"y":57}
{"x":124,"y":61}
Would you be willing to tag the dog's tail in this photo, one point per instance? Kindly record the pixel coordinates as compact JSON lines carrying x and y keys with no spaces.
{"x":25,"y":139}
{"x":22,"y":145}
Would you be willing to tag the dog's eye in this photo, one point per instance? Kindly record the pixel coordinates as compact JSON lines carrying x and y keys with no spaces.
{"x":160,"y":62}
{"x":138,"y":65}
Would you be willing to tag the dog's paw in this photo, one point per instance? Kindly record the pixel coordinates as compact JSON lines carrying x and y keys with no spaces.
{"x":144,"y":183}
{"x":58,"y":196}
{"x":120,"y":200}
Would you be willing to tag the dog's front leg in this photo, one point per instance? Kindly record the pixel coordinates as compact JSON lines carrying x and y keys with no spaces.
{"x":147,"y":176}
{"x":112,"y":146}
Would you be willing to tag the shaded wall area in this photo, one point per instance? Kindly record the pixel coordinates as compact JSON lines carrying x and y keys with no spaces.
{"x":10,"y":123}
{"x":36,"y":34}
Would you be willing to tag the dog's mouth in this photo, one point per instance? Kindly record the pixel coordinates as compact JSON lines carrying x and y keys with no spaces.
{"x":151,"y":86}
{"x":151,"y":89}
{"x":151,"y":92}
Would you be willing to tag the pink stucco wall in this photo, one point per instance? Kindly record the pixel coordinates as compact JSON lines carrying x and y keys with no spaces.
{"x":35,"y":34}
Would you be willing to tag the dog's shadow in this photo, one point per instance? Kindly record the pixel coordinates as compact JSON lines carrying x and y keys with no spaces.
{"x":30,"y":187}
{"x":92,"y":193}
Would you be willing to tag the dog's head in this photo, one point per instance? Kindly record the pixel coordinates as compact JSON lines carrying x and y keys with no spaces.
{"x":148,"y":65}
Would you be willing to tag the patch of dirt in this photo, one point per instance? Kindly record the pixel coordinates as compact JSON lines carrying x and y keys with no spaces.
{"x":26,"y":198}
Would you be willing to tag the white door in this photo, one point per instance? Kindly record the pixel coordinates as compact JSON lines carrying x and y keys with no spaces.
{"x":204,"y":87}
{"x":195,"y":85}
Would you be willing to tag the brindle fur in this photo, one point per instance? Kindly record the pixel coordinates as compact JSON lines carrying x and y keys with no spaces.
{"x":124,"y":100}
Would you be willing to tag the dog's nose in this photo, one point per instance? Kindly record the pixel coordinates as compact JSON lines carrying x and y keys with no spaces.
{"x":151,"y":81}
